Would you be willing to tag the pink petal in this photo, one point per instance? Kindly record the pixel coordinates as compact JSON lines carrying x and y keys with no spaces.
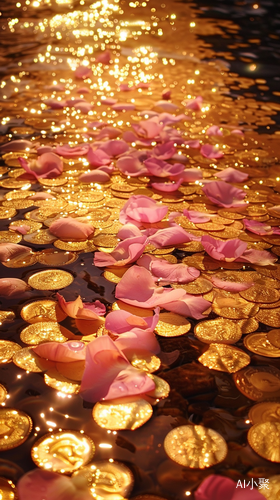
{"x":108,"y":100}
{"x":81,"y":310}
{"x":115,"y":148}
{"x":68,"y":228}
{"x":12,"y":287}
{"x":54,"y":104}
{"x":259,"y":257}
{"x":230,"y":286}
{"x":214,"y":130}
{"x":194,"y":104}
{"x":97,"y":157}
{"x":196,"y":217}
{"x":164,"y":151}
{"x":167,"y":187}
{"x":209,"y":151}
{"x":216,"y":487}
{"x":170,"y":236}
{"x":94,"y":176}
{"x":48,"y":165}
{"x":82,"y":72}
{"x":109,"y":133}
{"x":232,"y":175}
{"x":124,"y":87}
{"x":166,"y":94}
{"x":165,"y":105}
{"x":188,"y":175}
{"x":123,"y":106}
{"x":22,"y":229}
{"x":129,"y":231}
{"x":42,"y":195}
{"x":104,"y":58}
{"x":141,"y":208}
{"x":131,"y":166}
{"x":72,"y":152}
{"x":166,"y":272}
{"x":17,"y":145}
{"x":224,"y":195}
{"x":83,"y":90}
{"x":138,"y":339}
{"x":10,"y":250}
{"x":190,"y":306}
{"x":224,"y":250}
{"x":66,"y":352}
{"x":126,"y":252}
{"x":148,"y":129}
{"x":84,"y":107}
{"x":257,"y":227}
{"x":160,"y":168}
{"x":195,"y":143}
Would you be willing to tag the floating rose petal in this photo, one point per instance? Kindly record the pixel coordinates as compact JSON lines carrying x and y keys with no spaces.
{"x":109,"y":375}
{"x":143,"y":85}
{"x":165,"y":105}
{"x":74,"y":100}
{"x":72,"y":152}
{"x":141,"y":208}
{"x":109,"y":133}
{"x":84,"y":107}
{"x":54,"y":104}
{"x":230,"y":286}
{"x":124,"y":87}
{"x":78,"y":309}
{"x":164,"y":151}
{"x":148,"y":129}
{"x":123,"y":106}
{"x":22,"y":228}
{"x":196,"y":217}
{"x":11,"y":250}
{"x":82,"y":72}
{"x":188,"y":175}
{"x":170,"y":236}
{"x":160,"y":168}
{"x":48,"y":165}
{"x":166,"y":94}
{"x":110,"y":101}
{"x":12,"y":287}
{"x":224,"y":195}
{"x":95,"y":176}
{"x":126,"y":252}
{"x":223,"y":250}
{"x":190,"y":306}
{"x":68,"y":228}
{"x":232,"y":175}
{"x":195,"y":144}
{"x":167,"y":187}
{"x":258,"y":257}
{"x":129,"y":231}
{"x":212,"y":152}
{"x":83,"y":90}
{"x":45,"y":149}
{"x":165,"y":272}
{"x":65,"y":352}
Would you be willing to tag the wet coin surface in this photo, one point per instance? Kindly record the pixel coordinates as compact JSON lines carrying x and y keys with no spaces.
{"x":172,"y":325}
{"x":117,"y":415}
{"x":264,"y":438}
{"x":259,"y":344}
{"x":53,"y":279}
{"x":40,"y":310}
{"x":218,"y":330}
{"x":7,"y":350}
{"x":7,"y":489}
{"x":15,"y":428}
{"x":265,"y":412}
{"x":258,"y":383}
{"x":224,"y":358}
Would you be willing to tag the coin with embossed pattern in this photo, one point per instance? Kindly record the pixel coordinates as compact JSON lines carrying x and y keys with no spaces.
{"x":7,"y":350}
{"x":218,"y":330}
{"x":224,"y":358}
{"x":172,"y":325}
{"x":53,"y":279}
{"x":264,"y":438}
{"x":265,"y":412}
{"x":117,"y":415}
{"x":259,"y":344}
{"x":15,"y":428}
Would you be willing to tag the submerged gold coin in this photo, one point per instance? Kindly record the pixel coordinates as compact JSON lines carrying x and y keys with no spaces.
{"x":259,"y":344}
{"x":265,"y":412}
{"x":195,"y":446}
{"x":274,"y":337}
{"x":7,"y":350}
{"x":270,"y":317}
{"x":172,"y":325}
{"x":3,"y":393}
{"x":264,"y":438}
{"x":15,"y":428}
{"x":43,"y":332}
{"x":6,"y":316}
{"x":120,"y":414}
{"x":53,"y":279}
{"x":61,"y":383}
{"x":7,"y":489}
{"x":52,"y":257}
{"x":40,"y":310}
{"x":224,"y":358}
{"x":7,"y":213}
{"x":258,"y":293}
{"x":258,"y":383}
{"x":26,"y":260}
{"x":63,"y":452}
{"x":27,"y":360}
{"x":218,"y":330}
{"x":106,"y":478}
{"x":10,"y":237}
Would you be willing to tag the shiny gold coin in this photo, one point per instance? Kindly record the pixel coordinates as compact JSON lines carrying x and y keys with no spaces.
{"x":143,"y":360}
{"x":26,"y":260}
{"x":270,"y":317}
{"x":15,"y":428}
{"x":6,"y":316}
{"x":258,"y":383}
{"x":230,"y":215}
{"x":218,"y":330}
{"x":259,"y":344}
{"x":161,"y":251}
{"x":273,"y":490}
{"x":10,"y":237}
{"x":196,"y":287}
{"x":58,"y":181}
{"x":106,"y":478}
{"x":224,"y":358}
{"x":41,"y":237}
{"x":7,"y":213}
{"x":120,"y":414}
{"x":18,"y":195}
{"x":255,"y":210}
{"x":27,"y":360}
{"x":40,"y":310}
{"x":161,"y":390}
{"x":114,"y":274}
{"x":265,"y":440}
{"x":43,"y":332}
{"x":232,"y":306}
{"x":18,"y":204}
{"x":210,"y":226}
{"x":274,"y":337}
{"x":3,"y":393}
{"x":123,"y":187}
{"x":105,"y":240}
{"x":61,"y":383}
{"x":7,"y":489}
{"x":258,"y":293}
{"x":137,"y":311}
{"x":172,"y":325}
{"x":53,"y":279}
{"x":228,"y":233}
{"x":265,"y":412}
{"x":68,"y":246}
{"x":14,"y":184}
{"x":33,"y":226}
{"x":63,"y":452}
{"x":192,"y":246}
{"x":195,"y":446}
{"x":248,"y":325}
{"x":7,"y":350}
{"x":51,"y":257}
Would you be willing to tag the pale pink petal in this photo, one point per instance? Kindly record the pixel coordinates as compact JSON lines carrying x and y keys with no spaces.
{"x":224,"y":195}
{"x":83,"y":90}
{"x":224,"y":250}
{"x":126,"y":252}
{"x":45,"y":149}
{"x":115,"y":148}
{"x":55,"y":104}
{"x":123,"y":106}
{"x":124,"y":87}
{"x":196,"y":217}
{"x":108,"y":100}
{"x":164,"y":151}
{"x":170,"y":236}
{"x":194,"y":104}
{"x":141,"y":208}
{"x":66,"y":352}
{"x":42,"y":195}
{"x":209,"y":151}
{"x":70,"y":308}
{"x":167,"y":187}
{"x":143,"y":85}
{"x":166,"y":272}
{"x":67,"y":228}
{"x":194,"y":143}
{"x":104,"y":58}
{"x":109,"y":375}
{"x":10,"y":250}
{"x":17,"y":145}
{"x":84,"y":107}
{"x":232,"y":175}
{"x":94,"y":176}
{"x":74,"y":100}
{"x":257,"y":227}
{"x":81,"y":310}
{"x":138,"y":339}
{"x":160,"y":168}
{"x":72,"y":152}
{"x":188,"y":175}
{"x":109,"y":133}
{"x":22,"y":229}
{"x":129,"y":231}
{"x":82,"y":72}
{"x":148,"y":129}
{"x":190,"y":306}
{"x":237,"y":132}
{"x":97,"y":157}
{"x":131,"y":166}
{"x":214,"y":130}
{"x":166,"y":105}
{"x":216,"y":487}
{"x":12,"y":287}
{"x":230,"y":286}
{"x":259,"y":257}
{"x":48,"y":165}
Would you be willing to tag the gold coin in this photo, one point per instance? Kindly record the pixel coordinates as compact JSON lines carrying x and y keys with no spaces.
{"x":53,"y":279}
{"x":33,"y":226}
{"x":259,"y":344}
{"x":6,"y":316}
{"x":60,"y":383}
{"x":18,"y":195}
{"x":172,"y":325}
{"x":161,"y":251}
{"x":274,"y":337}
{"x":63,"y":452}
{"x":227,"y":233}
{"x":40,"y":310}
{"x":218,"y":330}
{"x":43,"y":332}
{"x":143,"y":360}
{"x":210,"y":226}
{"x":26,"y":260}
{"x":192,"y":246}
{"x":123,"y":187}
{"x":170,"y":258}
{"x":18,"y":204}
{"x":7,"y":350}
{"x":137,"y":311}
{"x":114,"y":275}
{"x":27,"y":360}
{"x":13,"y":184}
{"x":74,"y":246}
{"x":273,"y":490}
{"x":264,"y":438}
{"x":232,"y":306}
{"x":118,"y":414}
{"x":224,"y":358}
{"x":196,"y":287}
{"x":15,"y":428}
{"x":195,"y":446}
{"x":106,"y":478}
{"x":105,"y":240}
{"x":58,"y":181}
{"x":265,"y":412}
{"x":7,"y":213}
{"x":270,"y":317}
{"x":3,"y":393}
{"x":161,"y":390}
{"x":51,"y":257}
{"x":248,"y":325}
{"x":10,"y":237}
{"x":258,"y":383}
{"x":7,"y":489}
{"x":258,"y":293}
{"x":41,"y":237}
{"x":230,"y":215}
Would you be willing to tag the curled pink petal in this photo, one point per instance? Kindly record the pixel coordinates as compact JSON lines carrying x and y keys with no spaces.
{"x":123,"y":106}
{"x":126,"y":252}
{"x":12,"y":287}
{"x":124,"y":87}
{"x":164,"y":151}
{"x":257,"y":227}
{"x":188,"y":175}
{"x":94,"y":176}
{"x":259,"y":257}
{"x":104,"y":58}
{"x":67,"y":228}
{"x":167,"y":187}
{"x":81,"y":310}
{"x":194,"y":104}
{"x":129,"y":231}
{"x":224,"y":195}
{"x":108,"y":100}
{"x":83,"y":90}
{"x":66,"y":352}
{"x":230,"y":286}
{"x":160,"y":168}
{"x":195,"y":144}
{"x":166,"y":94}
{"x":131,"y":166}
{"x":10,"y":250}
{"x":196,"y":217}
{"x":48,"y":165}
{"x":72,"y":152}
{"x":109,"y":133}
{"x":115,"y":148}
{"x":45,"y":149}
{"x":209,"y":151}
{"x":84,"y":107}
{"x":190,"y":306}
{"x":148,"y":129}
{"x":22,"y":228}
{"x":229,"y":250}
{"x":17,"y":145}
{"x":82,"y":72}
{"x":216,"y":487}
{"x":55,"y":104}
{"x":170,"y":236}
{"x":141,"y":208}
{"x":109,"y":375}
{"x":232,"y":175}
{"x":166,"y":105}
{"x":165,"y":272}
{"x":97,"y":157}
